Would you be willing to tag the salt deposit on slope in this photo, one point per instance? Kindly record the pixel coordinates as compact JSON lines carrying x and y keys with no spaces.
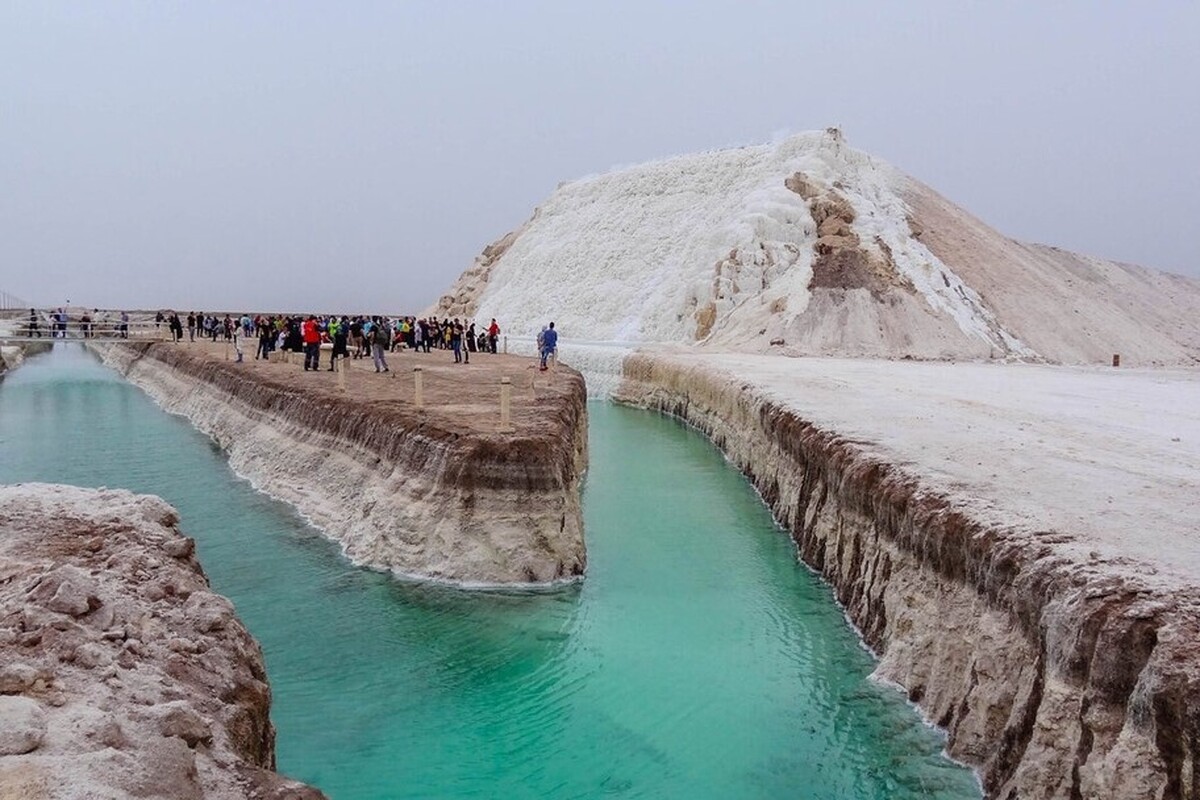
{"x":630,"y":256}
{"x":618,"y":257}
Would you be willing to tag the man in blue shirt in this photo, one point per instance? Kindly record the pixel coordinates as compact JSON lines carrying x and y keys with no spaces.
{"x":549,"y":344}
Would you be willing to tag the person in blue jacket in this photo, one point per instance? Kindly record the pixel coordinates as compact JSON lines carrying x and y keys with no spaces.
{"x":549,"y":344}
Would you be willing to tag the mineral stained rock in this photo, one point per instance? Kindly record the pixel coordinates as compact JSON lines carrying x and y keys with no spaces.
{"x":122,"y":674}
{"x":436,"y":492}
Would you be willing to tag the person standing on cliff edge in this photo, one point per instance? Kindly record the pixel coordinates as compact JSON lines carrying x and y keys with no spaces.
{"x":549,"y":344}
{"x":312,"y":344}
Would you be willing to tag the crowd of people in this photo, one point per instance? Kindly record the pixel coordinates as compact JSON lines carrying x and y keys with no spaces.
{"x":349,"y":336}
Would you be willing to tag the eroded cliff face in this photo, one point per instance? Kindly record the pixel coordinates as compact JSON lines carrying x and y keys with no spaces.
{"x":395,"y":487}
{"x":13,"y":356}
{"x":1054,"y":677}
{"x":121,"y":673}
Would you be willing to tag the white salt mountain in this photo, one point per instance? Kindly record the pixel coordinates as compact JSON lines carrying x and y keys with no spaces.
{"x":810,"y":247}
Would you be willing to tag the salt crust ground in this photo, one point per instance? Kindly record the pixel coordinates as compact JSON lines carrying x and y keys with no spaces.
{"x":1110,"y":456}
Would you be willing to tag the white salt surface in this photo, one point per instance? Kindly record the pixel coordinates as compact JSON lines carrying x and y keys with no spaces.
{"x":628,"y":256}
{"x":1109,"y":456}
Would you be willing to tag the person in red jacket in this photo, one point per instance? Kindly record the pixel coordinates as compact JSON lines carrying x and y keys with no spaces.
{"x":493,"y":332}
{"x":312,"y":343}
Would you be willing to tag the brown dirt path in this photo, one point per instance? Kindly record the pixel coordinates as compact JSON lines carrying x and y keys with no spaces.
{"x":462,"y":398}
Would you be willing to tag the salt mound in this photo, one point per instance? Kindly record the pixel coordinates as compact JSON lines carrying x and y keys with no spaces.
{"x":808,"y":246}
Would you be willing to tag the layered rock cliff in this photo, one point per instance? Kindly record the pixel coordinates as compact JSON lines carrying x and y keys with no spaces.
{"x":414,"y":491}
{"x":122,"y":674}
{"x":1058,"y":673}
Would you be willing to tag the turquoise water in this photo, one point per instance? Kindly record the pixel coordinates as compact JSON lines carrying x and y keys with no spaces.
{"x":697,"y":660}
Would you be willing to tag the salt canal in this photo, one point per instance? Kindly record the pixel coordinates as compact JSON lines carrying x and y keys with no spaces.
{"x":698,"y":659}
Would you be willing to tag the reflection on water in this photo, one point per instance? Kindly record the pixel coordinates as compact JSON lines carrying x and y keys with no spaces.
{"x":697,"y":659}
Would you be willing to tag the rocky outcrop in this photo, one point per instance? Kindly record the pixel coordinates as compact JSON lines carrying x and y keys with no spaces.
{"x":12,"y":356}
{"x":122,"y":674}
{"x":398,"y":488}
{"x":839,"y":259}
{"x":1055,"y":674}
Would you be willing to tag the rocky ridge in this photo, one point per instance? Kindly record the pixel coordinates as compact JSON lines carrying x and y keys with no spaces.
{"x":1056,"y":677}
{"x":122,"y":674}
{"x":398,"y":488}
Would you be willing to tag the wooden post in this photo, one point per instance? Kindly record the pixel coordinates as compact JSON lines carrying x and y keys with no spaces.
{"x":506,"y":405}
{"x":418,"y":389}
{"x":1116,"y":359}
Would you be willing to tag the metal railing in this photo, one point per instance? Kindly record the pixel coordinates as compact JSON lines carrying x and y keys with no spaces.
{"x":46,"y":326}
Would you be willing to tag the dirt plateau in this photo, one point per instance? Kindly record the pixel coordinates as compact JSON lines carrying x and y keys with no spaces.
{"x":1054,"y":677}
{"x":437,"y":492}
{"x":121,"y":674}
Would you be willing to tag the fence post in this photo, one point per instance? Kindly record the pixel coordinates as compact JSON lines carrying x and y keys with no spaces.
{"x":506,"y":405}
{"x":341,"y":373}
{"x":505,"y":345}
{"x":418,"y":388}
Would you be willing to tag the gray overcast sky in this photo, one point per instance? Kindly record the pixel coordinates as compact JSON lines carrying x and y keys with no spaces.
{"x":358,"y":155}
